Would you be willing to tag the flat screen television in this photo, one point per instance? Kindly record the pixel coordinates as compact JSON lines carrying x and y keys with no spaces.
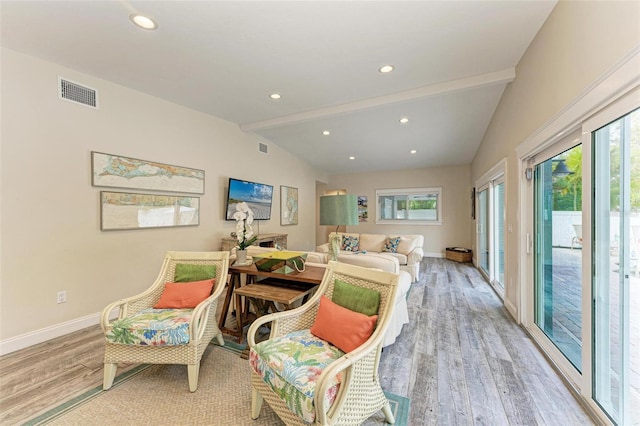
{"x":257,"y":195}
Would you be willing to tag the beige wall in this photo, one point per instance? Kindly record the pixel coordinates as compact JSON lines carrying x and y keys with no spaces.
{"x":50,"y":235}
{"x":577,"y":44}
{"x":456,"y":207}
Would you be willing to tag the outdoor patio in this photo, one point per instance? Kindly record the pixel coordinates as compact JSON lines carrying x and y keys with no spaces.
{"x":566,"y":328}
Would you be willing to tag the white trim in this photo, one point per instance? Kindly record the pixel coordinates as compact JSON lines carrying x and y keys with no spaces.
{"x":493,"y":173}
{"x":620,"y":78}
{"x":512,"y":309}
{"x":42,"y":335}
{"x":434,"y":254}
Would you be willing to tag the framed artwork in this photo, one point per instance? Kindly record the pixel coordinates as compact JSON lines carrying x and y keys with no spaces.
{"x":288,"y":205}
{"x":116,"y":171}
{"x":126,"y":210}
{"x":473,"y":203}
{"x":363,"y":210}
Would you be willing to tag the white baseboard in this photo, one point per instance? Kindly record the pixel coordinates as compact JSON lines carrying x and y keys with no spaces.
{"x":513,"y":310}
{"x":38,"y":336}
{"x":437,"y":254}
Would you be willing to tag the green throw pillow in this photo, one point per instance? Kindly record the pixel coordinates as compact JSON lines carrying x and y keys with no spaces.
{"x":358,"y":299}
{"x":186,"y":273}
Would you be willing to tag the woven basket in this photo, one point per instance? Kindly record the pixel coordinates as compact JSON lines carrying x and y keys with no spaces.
{"x":459,"y":254}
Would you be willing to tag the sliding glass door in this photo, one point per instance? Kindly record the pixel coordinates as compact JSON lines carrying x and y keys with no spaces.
{"x":491,"y":233}
{"x":483,"y":231}
{"x":616,"y":278}
{"x":557,"y":264}
{"x":498,"y":234}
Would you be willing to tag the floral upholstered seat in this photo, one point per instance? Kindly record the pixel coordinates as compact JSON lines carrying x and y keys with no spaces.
{"x":153,"y":327}
{"x":307,"y":380}
{"x":171,"y":322}
{"x":291,"y":366}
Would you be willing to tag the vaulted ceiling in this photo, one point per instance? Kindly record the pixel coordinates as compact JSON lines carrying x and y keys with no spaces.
{"x":452,"y":61}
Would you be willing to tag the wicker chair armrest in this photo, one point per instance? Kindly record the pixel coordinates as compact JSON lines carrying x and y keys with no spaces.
{"x":284,"y":322}
{"x":123,"y":306}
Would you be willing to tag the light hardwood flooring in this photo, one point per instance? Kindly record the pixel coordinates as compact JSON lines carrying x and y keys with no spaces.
{"x":462,"y":361}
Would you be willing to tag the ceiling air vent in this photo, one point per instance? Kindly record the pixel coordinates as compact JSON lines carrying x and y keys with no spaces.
{"x":262,"y":147}
{"x":75,"y":92}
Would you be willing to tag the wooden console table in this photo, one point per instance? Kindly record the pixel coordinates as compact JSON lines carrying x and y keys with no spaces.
{"x":312,"y":276}
{"x":264,"y":240}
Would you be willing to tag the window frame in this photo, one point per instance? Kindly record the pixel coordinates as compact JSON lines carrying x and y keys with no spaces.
{"x":437,"y":191}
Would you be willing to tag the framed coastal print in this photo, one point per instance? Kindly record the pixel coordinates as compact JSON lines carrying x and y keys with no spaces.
{"x":126,"y":210}
{"x":363,"y":209}
{"x":116,"y":171}
{"x":288,"y":205}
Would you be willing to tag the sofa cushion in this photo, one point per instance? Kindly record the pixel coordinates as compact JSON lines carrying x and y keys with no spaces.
{"x":402,"y":258}
{"x":350,"y":243}
{"x":391,"y":245}
{"x":382,"y":261}
{"x":407,"y":243}
{"x":372,"y":242}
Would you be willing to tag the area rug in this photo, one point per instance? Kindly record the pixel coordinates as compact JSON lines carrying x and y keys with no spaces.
{"x":159,"y":395}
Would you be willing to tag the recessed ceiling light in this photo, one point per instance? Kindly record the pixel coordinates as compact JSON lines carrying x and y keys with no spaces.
{"x":352,"y":158}
{"x":143,"y":22}
{"x":386,"y":68}
{"x":275,"y":96}
{"x":404,"y":120}
{"x":413,"y":151}
{"x":326,"y":132}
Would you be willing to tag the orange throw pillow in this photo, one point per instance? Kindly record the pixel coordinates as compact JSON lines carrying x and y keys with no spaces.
{"x":184,"y":295}
{"x":342,"y":327}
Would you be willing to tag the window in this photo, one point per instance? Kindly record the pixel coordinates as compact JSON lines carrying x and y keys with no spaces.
{"x":410,"y":206}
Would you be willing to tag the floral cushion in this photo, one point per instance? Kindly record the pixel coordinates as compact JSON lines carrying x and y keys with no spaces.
{"x":391,"y":245}
{"x":349,"y":243}
{"x":152,"y":327}
{"x":291,"y":366}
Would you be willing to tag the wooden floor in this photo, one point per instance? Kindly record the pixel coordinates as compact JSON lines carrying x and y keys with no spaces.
{"x":462,"y":361}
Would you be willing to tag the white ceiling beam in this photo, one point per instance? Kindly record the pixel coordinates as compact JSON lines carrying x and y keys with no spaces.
{"x":498,"y":77}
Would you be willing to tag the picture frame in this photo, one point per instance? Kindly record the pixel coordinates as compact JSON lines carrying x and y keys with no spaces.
{"x":127,"y":210}
{"x":288,"y":205}
{"x":116,"y":171}
{"x":363,"y":209}
{"x":473,"y":203}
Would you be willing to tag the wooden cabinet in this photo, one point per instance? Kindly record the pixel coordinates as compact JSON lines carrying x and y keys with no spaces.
{"x":264,"y":240}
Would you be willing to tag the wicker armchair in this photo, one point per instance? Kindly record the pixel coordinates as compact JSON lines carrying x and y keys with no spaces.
{"x":201,"y":329}
{"x":358,"y":395}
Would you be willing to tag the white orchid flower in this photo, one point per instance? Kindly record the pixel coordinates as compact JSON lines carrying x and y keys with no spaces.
{"x":239,"y":216}
{"x":243,"y":207}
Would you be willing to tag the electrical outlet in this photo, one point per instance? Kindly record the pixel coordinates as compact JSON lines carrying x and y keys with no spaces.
{"x":62,"y":297}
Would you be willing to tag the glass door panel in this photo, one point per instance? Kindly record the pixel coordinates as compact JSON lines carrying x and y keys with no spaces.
{"x":558,"y":267}
{"x":483,"y":228}
{"x":498,"y":220}
{"x":616,"y":279}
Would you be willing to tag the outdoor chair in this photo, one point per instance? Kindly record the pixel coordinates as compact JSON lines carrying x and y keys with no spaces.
{"x":308,"y":380}
{"x":183,"y":322}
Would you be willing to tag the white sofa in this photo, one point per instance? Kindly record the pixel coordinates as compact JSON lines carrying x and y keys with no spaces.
{"x":409,"y":251}
{"x":382,"y":261}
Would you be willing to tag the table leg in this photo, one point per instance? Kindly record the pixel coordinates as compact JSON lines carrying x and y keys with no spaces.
{"x":234,"y":282}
